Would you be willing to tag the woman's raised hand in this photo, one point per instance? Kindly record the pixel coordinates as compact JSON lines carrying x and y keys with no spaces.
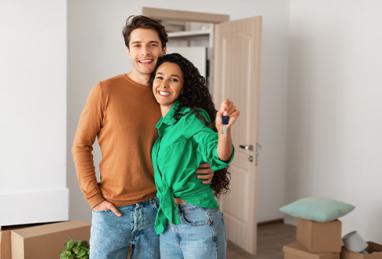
{"x":227,"y":108}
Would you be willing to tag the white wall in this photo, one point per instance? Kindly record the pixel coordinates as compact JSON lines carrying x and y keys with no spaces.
{"x":96,"y":51}
{"x":33,"y":111}
{"x":335,"y":107}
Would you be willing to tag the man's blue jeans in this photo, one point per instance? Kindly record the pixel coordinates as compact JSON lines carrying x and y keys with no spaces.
{"x":111,"y":235}
{"x":200,"y":235}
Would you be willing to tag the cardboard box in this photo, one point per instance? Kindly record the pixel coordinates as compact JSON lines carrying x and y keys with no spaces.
{"x":5,"y":244}
{"x":5,"y":238}
{"x":374,"y":252}
{"x":319,"y":237}
{"x":297,"y":251}
{"x":46,"y":241}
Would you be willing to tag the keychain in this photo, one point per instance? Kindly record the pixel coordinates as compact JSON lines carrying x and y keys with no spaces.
{"x":225,"y":121}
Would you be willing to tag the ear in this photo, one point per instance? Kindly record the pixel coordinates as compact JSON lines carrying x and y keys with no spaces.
{"x":164,"y":50}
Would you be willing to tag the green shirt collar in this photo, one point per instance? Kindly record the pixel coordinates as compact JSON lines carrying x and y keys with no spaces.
{"x":169,"y":119}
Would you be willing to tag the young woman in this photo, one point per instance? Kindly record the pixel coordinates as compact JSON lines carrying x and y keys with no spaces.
{"x":189,"y":132}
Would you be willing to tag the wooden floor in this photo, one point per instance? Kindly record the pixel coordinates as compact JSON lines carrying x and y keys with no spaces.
{"x":270,"y":240}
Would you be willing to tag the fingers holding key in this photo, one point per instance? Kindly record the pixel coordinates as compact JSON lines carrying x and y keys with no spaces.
{"x":228,"y":108}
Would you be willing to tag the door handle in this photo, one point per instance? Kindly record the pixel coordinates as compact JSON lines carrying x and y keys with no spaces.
{"x":247,"y":147}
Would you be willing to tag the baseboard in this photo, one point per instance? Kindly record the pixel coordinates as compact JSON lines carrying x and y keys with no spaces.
{"x":34,"y":207}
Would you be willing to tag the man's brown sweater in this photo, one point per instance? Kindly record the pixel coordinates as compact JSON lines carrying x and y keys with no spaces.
{"x":122,"y":114}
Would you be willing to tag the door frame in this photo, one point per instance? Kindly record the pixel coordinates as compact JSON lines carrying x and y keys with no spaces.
{"x":169,"y":14}
{"x":255,"y":91}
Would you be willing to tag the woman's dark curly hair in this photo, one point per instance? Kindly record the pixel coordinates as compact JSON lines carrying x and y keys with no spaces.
{"x":195,"y":95}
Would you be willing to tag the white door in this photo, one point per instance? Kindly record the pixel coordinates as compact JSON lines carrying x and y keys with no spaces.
{"x":237,"y":77}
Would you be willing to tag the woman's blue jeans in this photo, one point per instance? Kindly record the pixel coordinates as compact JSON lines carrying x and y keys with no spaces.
{"x":200,"y":234}
{"x":111,"y":235}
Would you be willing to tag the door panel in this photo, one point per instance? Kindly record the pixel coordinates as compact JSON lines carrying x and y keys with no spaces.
{"x":197,"y":55}
{"x":237,"y":77}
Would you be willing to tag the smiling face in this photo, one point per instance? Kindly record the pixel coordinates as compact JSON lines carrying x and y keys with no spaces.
{"x":144,"y":49}
{"x":167,"y":85}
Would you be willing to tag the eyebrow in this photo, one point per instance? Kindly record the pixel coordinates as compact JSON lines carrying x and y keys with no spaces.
{"x":137,"y":41}
{"x":160,"y":73}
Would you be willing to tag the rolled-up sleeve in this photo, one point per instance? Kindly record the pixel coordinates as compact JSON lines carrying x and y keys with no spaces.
{"x":207,"y":140}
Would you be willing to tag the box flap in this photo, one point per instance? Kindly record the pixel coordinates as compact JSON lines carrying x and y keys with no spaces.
{"x":49,"y":228}
{"x":374,"y":247}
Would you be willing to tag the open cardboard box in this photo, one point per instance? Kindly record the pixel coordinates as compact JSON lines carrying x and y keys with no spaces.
{"x":374,"y":252}
{"x":318,"y":237}
{"x":46,"y":241}
{"x":297,"y":251}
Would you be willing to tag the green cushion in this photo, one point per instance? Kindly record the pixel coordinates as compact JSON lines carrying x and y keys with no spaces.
{"x":317,"y":209}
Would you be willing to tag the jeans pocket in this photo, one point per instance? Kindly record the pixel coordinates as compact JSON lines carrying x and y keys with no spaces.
{"x":195,"y":216}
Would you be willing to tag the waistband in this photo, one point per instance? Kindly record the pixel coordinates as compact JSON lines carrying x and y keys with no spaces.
{"x":152,"y":201}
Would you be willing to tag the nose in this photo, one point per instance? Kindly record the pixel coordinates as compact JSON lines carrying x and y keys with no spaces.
{"x":145,"y":51}
{"x":165,"y":84}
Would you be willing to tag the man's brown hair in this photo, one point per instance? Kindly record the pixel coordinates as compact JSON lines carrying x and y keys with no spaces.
{"x":143,"y":22}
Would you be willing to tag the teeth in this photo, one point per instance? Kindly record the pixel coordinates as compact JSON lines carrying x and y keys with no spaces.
{"x":145,"y":61}
{"x":163,"y":93}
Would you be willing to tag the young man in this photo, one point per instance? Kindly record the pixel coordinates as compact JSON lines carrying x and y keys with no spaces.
{"x":122,"y":112}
